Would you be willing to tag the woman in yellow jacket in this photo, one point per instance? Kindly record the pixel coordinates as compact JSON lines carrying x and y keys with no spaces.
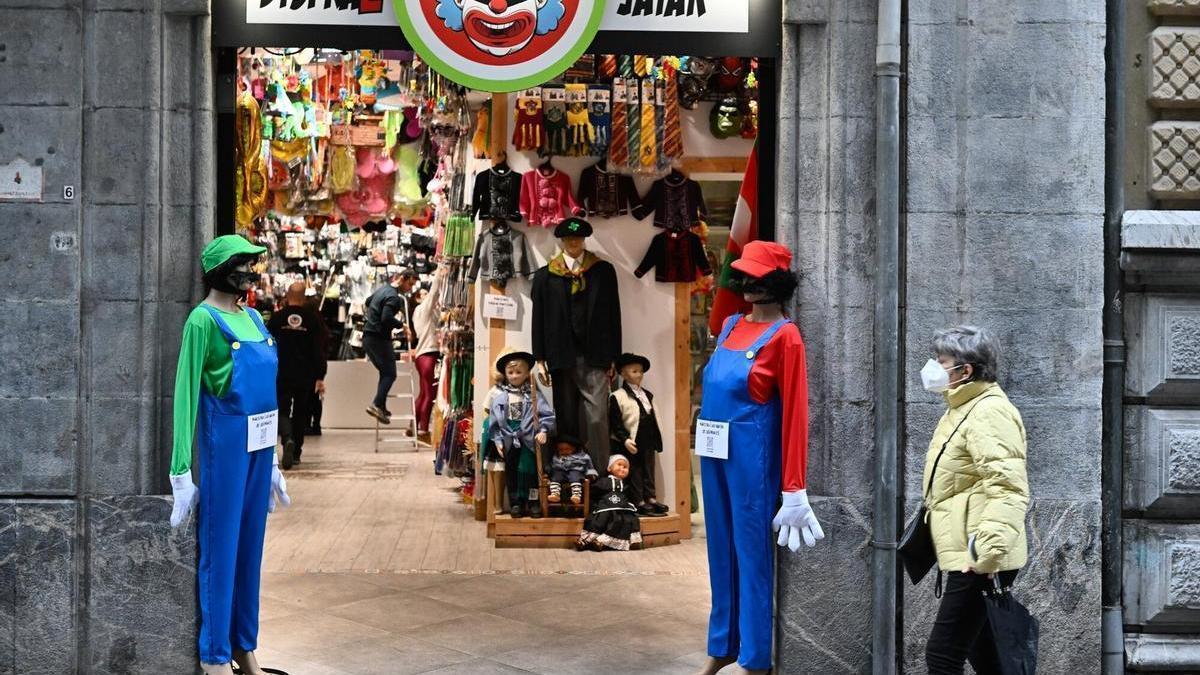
{"x":977,"y":495}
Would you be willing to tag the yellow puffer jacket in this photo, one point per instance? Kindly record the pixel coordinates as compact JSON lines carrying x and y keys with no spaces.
{"x":980,"y":491}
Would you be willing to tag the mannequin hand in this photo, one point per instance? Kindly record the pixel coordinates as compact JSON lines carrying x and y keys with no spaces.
{"x":278,"y":487}
{"x":796,"y":519}
{"x":541,"y":438}
{"x":186,"y":495}
{"x":631,"y":446}
{"x":544,"y":374}
{"x":320,"y":387}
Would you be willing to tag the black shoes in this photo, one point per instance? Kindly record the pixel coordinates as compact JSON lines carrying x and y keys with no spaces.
{"x":652,"y":510}
{"x":289,"y":454}
{"x":535,"y":510}
{"x":380,"y":414}
{"x":660,"y":508}
{"x":516,"y":511}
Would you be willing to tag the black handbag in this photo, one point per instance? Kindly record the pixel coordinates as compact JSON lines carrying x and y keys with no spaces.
{"x":1014,"y":630}
{"x":916,"y":544}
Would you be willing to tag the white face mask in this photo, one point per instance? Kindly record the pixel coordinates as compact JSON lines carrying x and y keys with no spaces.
{"x":934,"y":377}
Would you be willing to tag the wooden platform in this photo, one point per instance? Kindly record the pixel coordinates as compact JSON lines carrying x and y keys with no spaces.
{"x":512,"y":532}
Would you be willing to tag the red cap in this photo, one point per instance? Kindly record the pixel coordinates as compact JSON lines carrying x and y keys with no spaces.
{"x":760,"y":257}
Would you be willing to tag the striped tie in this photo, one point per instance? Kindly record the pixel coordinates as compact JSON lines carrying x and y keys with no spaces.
{"x":625,"y":66}
{"x":649,"y":150}
{"x":640,"y":67}
{"x":672,"y":133}
{"x":633,"y":100}
{"x":618,"y":147}
{"x":608,"y":66}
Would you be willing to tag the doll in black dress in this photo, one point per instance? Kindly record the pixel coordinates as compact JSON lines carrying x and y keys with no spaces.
{"x":613,"y":522}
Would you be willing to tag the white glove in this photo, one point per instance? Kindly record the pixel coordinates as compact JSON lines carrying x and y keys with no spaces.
{"x":796,"y":519}
{"x":186,"y":495}
{"x":278,"y":486}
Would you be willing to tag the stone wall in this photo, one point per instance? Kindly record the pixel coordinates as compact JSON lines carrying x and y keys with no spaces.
{"x":1005,"y":203}
{"x":112,"y":97}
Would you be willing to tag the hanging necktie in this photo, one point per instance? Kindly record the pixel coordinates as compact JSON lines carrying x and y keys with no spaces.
{"x":672,"y":132}
{"x":608,"y":66}
{"x":640,"y":66}
{"x":633,"y":97}
{"x":618,"y":148}
{"x":648,"y":151}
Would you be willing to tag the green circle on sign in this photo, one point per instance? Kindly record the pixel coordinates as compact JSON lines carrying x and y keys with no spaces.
{"x":499,"y":86}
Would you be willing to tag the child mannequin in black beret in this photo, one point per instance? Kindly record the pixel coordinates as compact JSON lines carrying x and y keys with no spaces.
{"x":633,"y":427}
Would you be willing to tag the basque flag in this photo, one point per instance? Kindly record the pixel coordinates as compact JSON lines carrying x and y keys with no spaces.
{"x":743,"y":231}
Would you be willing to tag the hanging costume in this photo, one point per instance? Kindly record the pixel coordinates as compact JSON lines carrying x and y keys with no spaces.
{"x":497,"y":194}
{"x":756,"y":381}
{"x":500,"y":254}
{"x":676,"y":200}
{"x":606,"y":194}
{"x":675,"y":255}
{"x":546,"y":197}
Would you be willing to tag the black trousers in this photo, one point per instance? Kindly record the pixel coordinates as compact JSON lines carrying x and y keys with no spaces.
{"x":518,"y":486}
{"x":961,"y":632}
{"x":382,"y":355}
{"x":295,"y":400}
{"x":317,"y":406}
{"x":581,"y":407}
{"x":641,"y":474}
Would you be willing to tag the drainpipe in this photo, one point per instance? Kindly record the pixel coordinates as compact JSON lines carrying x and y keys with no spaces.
{"x":1112,"y":640}
{"x":887,"y":336}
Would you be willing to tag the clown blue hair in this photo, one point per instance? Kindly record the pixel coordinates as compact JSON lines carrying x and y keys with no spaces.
{"x":449,"y":12}
{"x":548,"y":16}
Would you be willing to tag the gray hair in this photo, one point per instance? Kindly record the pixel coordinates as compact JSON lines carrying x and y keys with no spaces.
{"x":970,"y":345}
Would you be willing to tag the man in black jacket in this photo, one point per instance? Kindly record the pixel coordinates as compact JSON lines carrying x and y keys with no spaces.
{"x":577,"y":334}
{"x":300,"y":334}
{"x":387,"y":310}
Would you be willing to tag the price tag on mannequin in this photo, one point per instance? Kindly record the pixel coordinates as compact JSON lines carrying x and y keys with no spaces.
{"x":262,"y":430}
{"x":712,"y":439}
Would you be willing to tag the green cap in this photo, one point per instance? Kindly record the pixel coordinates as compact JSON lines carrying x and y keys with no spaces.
{"x":225,"y":247}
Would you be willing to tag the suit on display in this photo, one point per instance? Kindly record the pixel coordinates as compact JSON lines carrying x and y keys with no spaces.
{"x":577,"y":335}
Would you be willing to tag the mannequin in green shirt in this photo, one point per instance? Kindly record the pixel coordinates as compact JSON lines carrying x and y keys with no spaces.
{"x":226,"y":405}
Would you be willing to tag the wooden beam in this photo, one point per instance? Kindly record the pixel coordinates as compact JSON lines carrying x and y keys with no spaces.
{"x":714,"y":165}
{"x":683,"y":409}
{"x":496,"y":337}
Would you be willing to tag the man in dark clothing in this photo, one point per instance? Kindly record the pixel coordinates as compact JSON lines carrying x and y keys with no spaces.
{"x":387,"y":310}
{"x":300,"y":335}
{"x":577,"y":334}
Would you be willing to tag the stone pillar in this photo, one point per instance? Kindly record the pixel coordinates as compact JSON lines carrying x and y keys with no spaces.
{"x":1005,"y":203}
{"x":826,"y":215}
{"x":113,"y":98}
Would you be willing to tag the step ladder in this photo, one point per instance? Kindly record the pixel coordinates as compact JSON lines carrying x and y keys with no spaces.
{"x":402,"y":401}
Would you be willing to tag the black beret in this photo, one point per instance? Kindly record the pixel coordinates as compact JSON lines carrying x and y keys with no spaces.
{"x":573,"y":227}
{"x":627,"y":359}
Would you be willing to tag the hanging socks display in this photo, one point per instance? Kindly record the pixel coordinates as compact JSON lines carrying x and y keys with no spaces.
{"x":581,"y":133}
{"x":529,"y":133}
{"x":554,"y":105}
{"x":618,"y":148}
{"x":600,"y":115}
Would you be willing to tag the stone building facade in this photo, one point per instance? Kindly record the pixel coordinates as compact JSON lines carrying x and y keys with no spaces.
{"x":1003,"y":225}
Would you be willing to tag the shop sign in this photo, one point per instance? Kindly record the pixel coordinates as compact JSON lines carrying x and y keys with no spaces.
{"x":321,"y":12}
{"x":499,"y":307}
{"x":678,"y":16}
{"x":500,"y":45}
{"x":20,"y":181}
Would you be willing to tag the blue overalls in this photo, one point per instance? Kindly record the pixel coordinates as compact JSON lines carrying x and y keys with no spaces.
{"x":740,"y":496}
{"x":235,"y":486}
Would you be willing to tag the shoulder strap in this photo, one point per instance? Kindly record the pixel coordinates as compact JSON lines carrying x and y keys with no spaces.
{"x":929,"y":485}
{"x":266,"y":334}
{"x":220,"y":321}
{"x":729,"y":324}
{"x":767,"y":335}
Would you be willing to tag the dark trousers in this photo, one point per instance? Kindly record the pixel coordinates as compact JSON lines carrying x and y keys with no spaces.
{"x":382,"y":355}
{"x":518,"y":486}
{"x":581,"y":407}
{"x":961,"y":632}
{"x":569,"y":477}
{"x":295,"y":399}
{"x":317,"y":406}
{"x":641,"y":475}
{"x":426,"y":366}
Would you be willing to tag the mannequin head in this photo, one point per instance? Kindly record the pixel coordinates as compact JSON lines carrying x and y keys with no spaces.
{"x":516,"y":373}
{"x":564,"y":448}
{"x":633,"y":368}
{"x":574,"y":246}
{"x":763,"y":274}
{"x":618,"y":466}
{"x":232,"y":276}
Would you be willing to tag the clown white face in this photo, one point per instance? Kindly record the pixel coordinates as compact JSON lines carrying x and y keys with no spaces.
{"x":500,"y":27}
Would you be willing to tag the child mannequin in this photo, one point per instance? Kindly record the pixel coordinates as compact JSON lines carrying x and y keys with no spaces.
{"x":613,"y":522}
{"x":516,"y":426}
{"x":635,"y":433}
{"x":570,"y":464}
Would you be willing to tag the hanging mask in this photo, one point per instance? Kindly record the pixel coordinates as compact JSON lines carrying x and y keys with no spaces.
{"x":725,"y":121}
{"x":730,"y":74}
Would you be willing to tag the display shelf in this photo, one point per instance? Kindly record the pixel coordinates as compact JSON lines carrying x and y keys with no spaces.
{"x":512,"y":532}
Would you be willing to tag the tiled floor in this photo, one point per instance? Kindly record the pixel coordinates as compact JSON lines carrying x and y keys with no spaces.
{"x":382,"y":572}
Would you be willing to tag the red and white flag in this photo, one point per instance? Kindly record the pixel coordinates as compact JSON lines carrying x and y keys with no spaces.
{"x":743,"y":231}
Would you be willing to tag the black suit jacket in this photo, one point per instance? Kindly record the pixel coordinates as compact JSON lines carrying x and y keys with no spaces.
{"x":552,"y":341}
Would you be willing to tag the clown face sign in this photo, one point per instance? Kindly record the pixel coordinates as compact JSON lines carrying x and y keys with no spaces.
{"x":499,"y":45}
